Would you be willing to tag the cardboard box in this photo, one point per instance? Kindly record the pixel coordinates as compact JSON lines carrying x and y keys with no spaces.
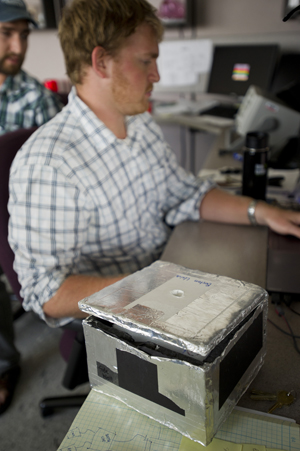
{"x":178,"y":345}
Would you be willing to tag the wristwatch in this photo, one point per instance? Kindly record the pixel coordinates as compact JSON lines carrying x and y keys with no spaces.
{"x":251,"y":212}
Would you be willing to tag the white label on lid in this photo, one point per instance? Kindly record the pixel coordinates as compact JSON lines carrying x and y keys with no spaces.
{"x":173,"y":295}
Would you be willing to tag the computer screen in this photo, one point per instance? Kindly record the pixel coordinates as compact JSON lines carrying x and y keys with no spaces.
{"x":236,"y":67}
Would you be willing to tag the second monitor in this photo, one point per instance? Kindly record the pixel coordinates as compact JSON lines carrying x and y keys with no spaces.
{"x":236,"y":67}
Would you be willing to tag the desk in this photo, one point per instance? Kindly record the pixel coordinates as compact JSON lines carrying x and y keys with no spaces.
{"x":283,"y":252}
{"x":220,"y":249}
{"x":241,"y":252}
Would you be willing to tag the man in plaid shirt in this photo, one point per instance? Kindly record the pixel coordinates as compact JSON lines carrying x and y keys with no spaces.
{"x":24,"y":102}
{"x":95,"y":192}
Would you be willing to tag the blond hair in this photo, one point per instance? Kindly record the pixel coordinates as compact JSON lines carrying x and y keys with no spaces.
{"x":87,"y":24}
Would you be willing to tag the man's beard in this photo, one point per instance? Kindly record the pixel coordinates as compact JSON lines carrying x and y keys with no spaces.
{"x":10,"y":69}
{"x":124,"y":96}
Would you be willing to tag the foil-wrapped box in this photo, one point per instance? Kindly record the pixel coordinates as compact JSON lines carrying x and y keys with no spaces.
{"x":178,"y":345}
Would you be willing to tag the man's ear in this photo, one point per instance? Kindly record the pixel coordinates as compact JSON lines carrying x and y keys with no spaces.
{"x":99,"y":61}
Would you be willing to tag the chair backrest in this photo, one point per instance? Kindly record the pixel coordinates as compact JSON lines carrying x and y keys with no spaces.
{"x":10,"y":143}
{"x":64,"y":97}
{"x":72,"y":342}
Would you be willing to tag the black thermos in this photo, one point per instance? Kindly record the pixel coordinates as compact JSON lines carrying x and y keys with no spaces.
{"x":255,"y":165}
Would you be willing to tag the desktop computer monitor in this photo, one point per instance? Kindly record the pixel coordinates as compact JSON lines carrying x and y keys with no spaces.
{"x":236,"y":67}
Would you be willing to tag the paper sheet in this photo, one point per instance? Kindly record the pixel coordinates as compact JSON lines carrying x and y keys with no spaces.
{"x":181,"y":62}
{"x":104,"y":423}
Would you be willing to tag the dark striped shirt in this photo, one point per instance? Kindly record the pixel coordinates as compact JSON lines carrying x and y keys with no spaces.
{"x":24,"y":103}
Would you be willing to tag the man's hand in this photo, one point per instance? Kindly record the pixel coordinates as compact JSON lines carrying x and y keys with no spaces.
{"x":285,"y":222}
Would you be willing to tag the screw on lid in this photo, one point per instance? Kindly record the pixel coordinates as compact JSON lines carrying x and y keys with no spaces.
{"x":257,"y":140}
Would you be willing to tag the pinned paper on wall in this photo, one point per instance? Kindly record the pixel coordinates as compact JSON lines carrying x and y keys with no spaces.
{"x":181,"y":62}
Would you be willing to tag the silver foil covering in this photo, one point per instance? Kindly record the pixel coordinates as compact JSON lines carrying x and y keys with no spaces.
{"x":188,"y":311}
{"x":178,"y":345}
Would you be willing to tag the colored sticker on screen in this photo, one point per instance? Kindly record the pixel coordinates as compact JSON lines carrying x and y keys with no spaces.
{"x":241,"y":72}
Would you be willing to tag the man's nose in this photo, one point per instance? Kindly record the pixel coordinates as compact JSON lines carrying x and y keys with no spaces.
{"x":154,"y":76}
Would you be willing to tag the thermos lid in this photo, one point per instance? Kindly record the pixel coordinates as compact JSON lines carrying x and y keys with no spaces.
{"x":257,"y":140}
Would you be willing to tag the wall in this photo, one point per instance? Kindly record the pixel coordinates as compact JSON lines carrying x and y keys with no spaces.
{"x":44,"y":58}
{"x":224,"y":21}
{"x":243,"y":17}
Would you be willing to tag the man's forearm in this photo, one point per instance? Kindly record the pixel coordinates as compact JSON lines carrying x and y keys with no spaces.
{"x":65,"y":302}
{"x":220,"y":206}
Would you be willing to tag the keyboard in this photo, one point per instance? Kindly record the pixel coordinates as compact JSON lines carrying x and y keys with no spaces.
{"x":226,"y":111}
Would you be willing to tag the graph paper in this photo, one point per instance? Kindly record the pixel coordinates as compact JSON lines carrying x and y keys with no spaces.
{"x":245,"y":427}
{"x":105,"y":424}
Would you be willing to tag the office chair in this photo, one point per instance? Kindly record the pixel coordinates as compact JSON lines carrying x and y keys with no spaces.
{"x":72,"y":345}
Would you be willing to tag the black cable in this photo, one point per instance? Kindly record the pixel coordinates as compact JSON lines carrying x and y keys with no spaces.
{"x":281,"y":330}
{"x":293,"y":335}
{"x":294,"y":311}
{"x":288,"y":305}
{"x":280,"y":312}
{"x":291,"y":13}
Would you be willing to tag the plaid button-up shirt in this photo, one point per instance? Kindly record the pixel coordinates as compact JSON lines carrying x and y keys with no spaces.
{"x":85,"y":202}
{"x":24,"y":103}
